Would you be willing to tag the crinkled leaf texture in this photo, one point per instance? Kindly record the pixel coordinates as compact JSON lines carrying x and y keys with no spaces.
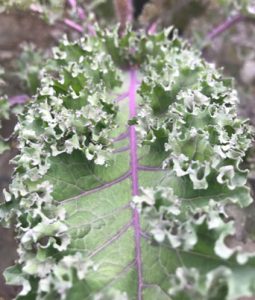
{"x":128,"y":155}
{"x":4,"y":112}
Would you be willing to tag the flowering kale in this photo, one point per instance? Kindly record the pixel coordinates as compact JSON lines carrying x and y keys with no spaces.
{"x":130,"y":153}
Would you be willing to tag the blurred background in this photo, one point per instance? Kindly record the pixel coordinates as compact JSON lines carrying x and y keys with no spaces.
{"x":223,"y":30}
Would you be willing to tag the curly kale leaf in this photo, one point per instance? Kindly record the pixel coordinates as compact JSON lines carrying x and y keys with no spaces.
{"x":129,"y":154}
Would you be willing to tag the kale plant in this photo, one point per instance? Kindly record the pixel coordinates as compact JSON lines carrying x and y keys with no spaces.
{"x":130,"y":154}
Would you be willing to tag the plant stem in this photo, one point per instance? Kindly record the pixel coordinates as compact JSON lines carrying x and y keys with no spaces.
{"x":19,"y":99}
{"x":153,"y":28}
{"x":124,"y":12}
{"x":225,"y":26}
{"x":72,"y":3}
{"x":78,"y":9}
{"x":73,"y":25}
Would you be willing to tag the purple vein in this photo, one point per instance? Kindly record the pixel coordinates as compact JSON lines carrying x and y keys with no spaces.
{"x":97,"y":189}
{"x":121,"y":97}
{"x":121,"y":136}
{"x":121,"y":149}
{"x":115,"y":237}
{"x":103,"y":217}
{"x":134,"y":179}
{"x":149,"y":168}
{"x":132,"y":134}
{"x":150,"y":285}
{"x":146,"y":235}
{"x":117,"y":277}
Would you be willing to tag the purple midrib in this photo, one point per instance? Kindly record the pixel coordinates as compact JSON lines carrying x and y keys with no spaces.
{"x":134,"y":179}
